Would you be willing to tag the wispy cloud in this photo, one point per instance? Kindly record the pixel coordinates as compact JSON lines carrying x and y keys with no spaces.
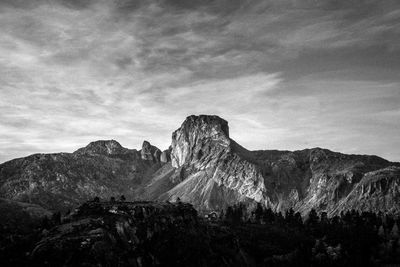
{"x":285,"y":74}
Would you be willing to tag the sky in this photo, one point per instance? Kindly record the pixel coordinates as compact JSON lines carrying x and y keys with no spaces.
{"x":285,"y":74}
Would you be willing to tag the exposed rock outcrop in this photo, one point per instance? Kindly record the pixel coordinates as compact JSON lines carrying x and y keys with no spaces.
{"x":95,"y":228}
{"x":205,"y":167}
{"x":377,"y":191}
{"x":103,"y":147}
{"x":150,"y":152}
{"x":165,"y":156}
{"x":64,"y":180}
{"x":137,"y":234}
{"x":215,"y":172}
{"x":195,"y":131}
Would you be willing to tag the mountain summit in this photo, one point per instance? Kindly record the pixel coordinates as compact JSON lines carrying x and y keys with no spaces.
{"x":195,"y":132}
{"x":103,"y":147}
{"x":206,"y":168}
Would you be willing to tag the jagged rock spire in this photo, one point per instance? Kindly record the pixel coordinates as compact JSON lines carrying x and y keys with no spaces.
{"x":150,"y":152}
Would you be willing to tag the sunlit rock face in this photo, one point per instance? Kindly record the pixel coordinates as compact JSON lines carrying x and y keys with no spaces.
{"x":215,"y":171}
{"x":206,"y":168}
{"x":165,"y":156}
{"x":327,"y":178}
{"x":214,"y":174}
{"x":195,"y":132}
{"x":378,"y":191}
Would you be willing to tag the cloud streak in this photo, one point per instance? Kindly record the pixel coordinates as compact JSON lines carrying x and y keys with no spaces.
{"x":285,"y":74}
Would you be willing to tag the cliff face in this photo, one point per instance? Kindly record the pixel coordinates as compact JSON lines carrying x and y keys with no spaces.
{"x":378,"y":191}
{"x":213,"y":171}
{"x":208,"y":169}
{"x":197,"y":136}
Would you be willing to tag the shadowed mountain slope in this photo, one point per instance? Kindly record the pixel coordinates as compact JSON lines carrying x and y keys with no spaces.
{"x":64,"y":180}
{"x":212,"y":171}
{"x":208,"y":169}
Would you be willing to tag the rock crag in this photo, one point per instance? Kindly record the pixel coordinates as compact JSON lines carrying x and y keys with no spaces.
{"x":208,"y":169}
{"x":212,"y":171}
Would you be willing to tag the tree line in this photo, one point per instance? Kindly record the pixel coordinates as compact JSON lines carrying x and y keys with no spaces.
{"x":352,"y":237}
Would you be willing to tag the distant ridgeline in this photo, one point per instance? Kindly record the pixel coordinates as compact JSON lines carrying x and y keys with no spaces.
{"x":206,"y":168}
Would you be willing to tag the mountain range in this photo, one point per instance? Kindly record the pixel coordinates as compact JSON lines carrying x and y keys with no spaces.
{"x":205,"y":167}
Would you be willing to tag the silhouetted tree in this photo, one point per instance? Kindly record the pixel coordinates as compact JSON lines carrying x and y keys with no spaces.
{"x":229,"y":214}
{"x":289,"y":216}
{"x":381,"y":231}
{"x":45,"y":224}
{"x":297,"y":220}
{"x":269,"y":216}
{"x":235,"y":214}
{"x":258,"y":212}
{"x":312,"y":219}
{"x":56,"y":217}
{"x":222,"y":215}
{"x":395,"y":231}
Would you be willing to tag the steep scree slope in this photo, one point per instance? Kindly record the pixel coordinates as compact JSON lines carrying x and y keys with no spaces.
{"x":208,"y":169}
{"x":213,"y":171}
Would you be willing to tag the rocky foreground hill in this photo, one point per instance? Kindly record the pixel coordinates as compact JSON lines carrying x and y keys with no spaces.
{"x":206,"y":168}
{"x":144,"y":233}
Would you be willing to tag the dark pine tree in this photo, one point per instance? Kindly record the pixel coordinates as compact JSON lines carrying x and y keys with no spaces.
{"x":258,"y":212}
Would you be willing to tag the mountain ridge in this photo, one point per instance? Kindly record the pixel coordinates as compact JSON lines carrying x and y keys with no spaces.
{"x":208,"y":169}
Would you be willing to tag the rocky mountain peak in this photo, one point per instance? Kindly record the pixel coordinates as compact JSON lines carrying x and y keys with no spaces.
{"x":103,"y":147}
{"x":206,"y":168}
{"x":208,"y":124}
{"x":194,"y":133}
{"x":146,"y":145}
{"x":150,"y":152}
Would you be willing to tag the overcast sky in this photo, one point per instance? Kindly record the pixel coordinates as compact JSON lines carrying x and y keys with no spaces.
{"x":284,"y":74}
